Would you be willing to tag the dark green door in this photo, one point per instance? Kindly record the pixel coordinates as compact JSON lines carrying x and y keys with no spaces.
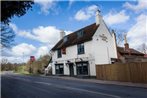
{"x":71,"y":69}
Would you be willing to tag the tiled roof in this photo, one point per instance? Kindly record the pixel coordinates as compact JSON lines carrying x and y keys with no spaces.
{"x":132,"y":51}
{"x":73,"y":38}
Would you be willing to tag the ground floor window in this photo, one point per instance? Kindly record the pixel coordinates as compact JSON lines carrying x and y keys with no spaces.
{"x":59,"y":68}
{"x":82,"y":68}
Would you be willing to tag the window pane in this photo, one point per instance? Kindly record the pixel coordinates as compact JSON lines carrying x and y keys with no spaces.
{"x":59,"y":54}
{"x":80,"y":33}
{"x":80,"y":48}
{"x":82,"y":68}
{"x":65,"y":39}
{"x":59,"y":68}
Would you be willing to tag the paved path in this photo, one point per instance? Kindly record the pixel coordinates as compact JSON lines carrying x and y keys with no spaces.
{"x":143,"y":85}
{"x":21,"y":86}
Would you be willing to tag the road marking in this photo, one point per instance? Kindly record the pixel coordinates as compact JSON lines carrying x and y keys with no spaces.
{"x":84,"y":90}
{"x":66,"y":87}
{"x":44,"y":83}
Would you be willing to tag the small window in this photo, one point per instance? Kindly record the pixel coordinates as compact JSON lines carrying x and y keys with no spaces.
{"x":80,"y":33}
{"x":59,"y":53}
{"x":80,"y":48}
{"x":65,"y":39}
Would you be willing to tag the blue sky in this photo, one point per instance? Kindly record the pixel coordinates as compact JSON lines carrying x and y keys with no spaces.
{"x":38,"y":30}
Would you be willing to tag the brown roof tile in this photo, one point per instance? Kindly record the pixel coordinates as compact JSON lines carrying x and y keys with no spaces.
{"x":133,"y":51}
{"x":73,"y":39}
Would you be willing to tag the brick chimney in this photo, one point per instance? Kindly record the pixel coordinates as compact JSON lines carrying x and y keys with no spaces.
{"x":126,"y":45}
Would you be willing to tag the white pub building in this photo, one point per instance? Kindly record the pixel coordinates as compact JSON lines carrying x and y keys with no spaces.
{"x":78,"y":53}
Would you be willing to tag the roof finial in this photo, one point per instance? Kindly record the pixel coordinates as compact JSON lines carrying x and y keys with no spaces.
{"x":98,"y":10}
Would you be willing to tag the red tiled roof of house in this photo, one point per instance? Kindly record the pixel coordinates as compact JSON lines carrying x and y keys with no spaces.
{"x":121,"y":50}
{"x":73,"y":39}
{"x":145,"y":55}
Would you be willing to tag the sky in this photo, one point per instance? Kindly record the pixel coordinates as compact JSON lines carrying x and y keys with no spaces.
{"x":39,"y":29}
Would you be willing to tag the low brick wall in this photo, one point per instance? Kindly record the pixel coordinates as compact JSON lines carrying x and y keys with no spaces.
{"x":128,"y":72}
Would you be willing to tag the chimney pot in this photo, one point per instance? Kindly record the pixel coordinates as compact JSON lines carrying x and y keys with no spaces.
{"x":62,"y":34}
{"x":97,"y":17}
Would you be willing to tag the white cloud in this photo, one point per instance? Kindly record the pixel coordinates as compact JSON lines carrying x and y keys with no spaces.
{"x":22,"y":52}
{"x":20,"y":32}
{"x":67,"y":32}
{"x":19,"y":53}
{"x":116,"y":18}
{"x":141,"y":5}
{"x":14,"y":27}
{"x":46,"y":5}
{"x":137,"y":34}
{"x":13,"y":59}
{"x":43,"y":50}
{"x":86,"y":13}
{"x":23,"y":49}
{"x":48,"y":34}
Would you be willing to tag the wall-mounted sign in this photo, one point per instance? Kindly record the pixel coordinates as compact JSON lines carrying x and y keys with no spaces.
{"x":63,"y":51}
{"x":32,"y":58}
{"x":103,"y":37}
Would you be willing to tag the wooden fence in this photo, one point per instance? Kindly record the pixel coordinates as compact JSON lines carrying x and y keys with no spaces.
{"x":128,"y":72}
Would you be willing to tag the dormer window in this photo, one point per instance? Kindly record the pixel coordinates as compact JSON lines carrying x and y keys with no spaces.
{"x":80,"y":33}
{"x":65,"y":39}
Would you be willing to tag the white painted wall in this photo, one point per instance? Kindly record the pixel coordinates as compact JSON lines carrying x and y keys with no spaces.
{"x":53,"y":68}
{"x":66,"y":69}
{"x":71,"y":55}
{"x":103,"y":50}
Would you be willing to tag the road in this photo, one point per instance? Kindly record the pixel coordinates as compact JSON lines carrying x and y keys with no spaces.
{"x":21,"y":86}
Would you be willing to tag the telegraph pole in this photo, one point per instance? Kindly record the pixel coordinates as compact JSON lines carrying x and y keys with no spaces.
{"x":23,"y":57}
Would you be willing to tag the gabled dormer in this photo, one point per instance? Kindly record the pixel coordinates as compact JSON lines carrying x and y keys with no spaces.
{"x":80,"y":33}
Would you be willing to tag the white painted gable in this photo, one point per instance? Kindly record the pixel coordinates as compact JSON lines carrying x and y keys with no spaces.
{"x":104,"y":47}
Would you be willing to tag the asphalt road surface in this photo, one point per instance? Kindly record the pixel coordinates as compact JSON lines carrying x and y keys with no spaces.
{"x":21,"y":86}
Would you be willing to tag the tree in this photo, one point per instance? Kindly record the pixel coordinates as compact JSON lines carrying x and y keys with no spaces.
{"x":7,"y":36}
{"x":143,"y":48}
{"x":10,"y":9}
{"x":14,"y":8}
{"x":7,"y":66}
{"x":38,"y":66}
{"x":119,"y":36}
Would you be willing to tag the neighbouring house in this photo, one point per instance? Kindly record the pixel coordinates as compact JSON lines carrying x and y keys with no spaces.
{"x":126,"y":54}
{"x":77,"y":54}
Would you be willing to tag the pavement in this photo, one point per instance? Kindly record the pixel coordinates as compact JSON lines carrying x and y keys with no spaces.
{"x":22,"y":86}
{"x":143,"y":85}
